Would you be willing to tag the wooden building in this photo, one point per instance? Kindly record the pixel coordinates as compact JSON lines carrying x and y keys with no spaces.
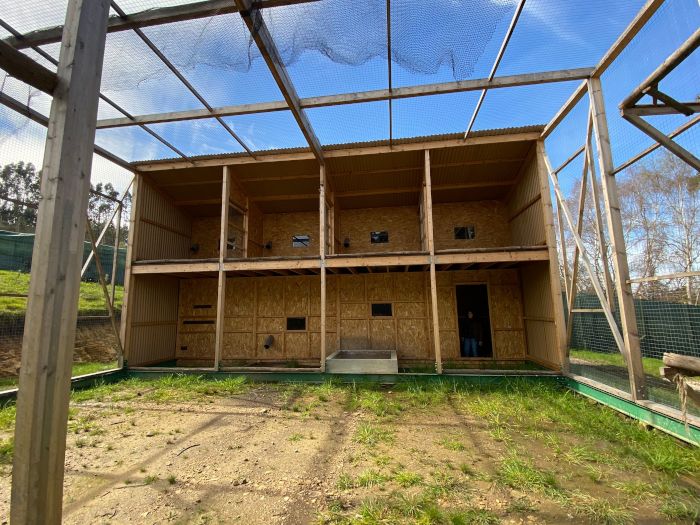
{"x":268,"y":262}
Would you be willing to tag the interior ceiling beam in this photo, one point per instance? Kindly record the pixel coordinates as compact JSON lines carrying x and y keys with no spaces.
{"x":37,"y":117}
{"x":358,"y":97}
{"x":149,"y":17}
{"x":634,"y":27}
{"x":253,"y":18}
{"x":23,"y":68}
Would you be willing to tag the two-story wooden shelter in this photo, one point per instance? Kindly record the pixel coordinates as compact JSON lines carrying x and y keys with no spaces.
{"x":273,"y":262}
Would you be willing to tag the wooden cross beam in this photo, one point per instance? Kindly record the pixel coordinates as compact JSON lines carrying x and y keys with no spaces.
{"x":263,"y":39}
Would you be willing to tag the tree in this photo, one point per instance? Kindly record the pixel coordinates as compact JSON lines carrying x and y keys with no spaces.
{"x":19,"y":194}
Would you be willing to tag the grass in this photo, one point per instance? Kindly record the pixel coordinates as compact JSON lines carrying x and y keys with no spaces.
{"x":651,"y":365}
{"x":522,"y":475}
{"x":79,"y":369}
{"x":370,"y":435}
{"x":92,"y":301}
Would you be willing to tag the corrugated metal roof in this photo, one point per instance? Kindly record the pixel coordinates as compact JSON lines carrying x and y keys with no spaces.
{"x":353,"y":145}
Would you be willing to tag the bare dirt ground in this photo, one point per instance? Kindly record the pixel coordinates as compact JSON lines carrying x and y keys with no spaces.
{"x":267,"y":454}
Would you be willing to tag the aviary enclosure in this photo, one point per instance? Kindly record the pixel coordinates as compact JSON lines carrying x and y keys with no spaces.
{"x":382,"y":188}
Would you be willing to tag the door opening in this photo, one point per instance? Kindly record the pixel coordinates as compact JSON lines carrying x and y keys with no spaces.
{"x":473,"y":321}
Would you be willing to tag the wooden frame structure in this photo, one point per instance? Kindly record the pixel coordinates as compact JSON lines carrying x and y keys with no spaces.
{"x":50,"y":328}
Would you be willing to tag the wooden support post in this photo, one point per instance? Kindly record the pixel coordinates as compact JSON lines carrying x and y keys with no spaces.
{"x":322,"y":230}
{"x":587,"y":264}
{"x":564,"y":253}
{"x":551,"y":238}
{"x":602,"y":243}
{"x":617,"y":239}
{"x":103,"y":285}
{"x":571,"y":296}
{"x":246,"y":227}
{"x":52,"y":308}
{"x":131,"y":239}
{"x":428,"y":199}
{"x":223,"y":245}
{"x":115,"y":255}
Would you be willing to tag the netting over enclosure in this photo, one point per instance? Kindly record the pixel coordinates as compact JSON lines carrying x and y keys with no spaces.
{"x":191,"y":81}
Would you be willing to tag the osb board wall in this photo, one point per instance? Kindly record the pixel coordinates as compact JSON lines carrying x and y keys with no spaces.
{"x":164,"y":231}
{"x":489,"y":218}
{"x":279,"y":228}
{"x":153,"y":304}
{"x":539,"y":313}
{"x":205,"y":233}
{"x":505,"y":307}
{"x":402,"y":223}
{"x":255,"y":307}
{"x":196,"y":319}
{"x":406,"y":331}
{"x":255,"y":231}
{"x":525,"y":213}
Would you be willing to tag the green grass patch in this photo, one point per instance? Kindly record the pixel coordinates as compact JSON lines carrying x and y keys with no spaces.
{"x":79,"y":369}
{"x":92,"y":301}
{"x":372,"y":435}
{"x":523,"y":475}
{"x":651,"y":364}
{"x":7,"y":447}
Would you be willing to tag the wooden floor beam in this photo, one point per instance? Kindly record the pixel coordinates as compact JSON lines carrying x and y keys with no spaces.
{"x":52,"y":308}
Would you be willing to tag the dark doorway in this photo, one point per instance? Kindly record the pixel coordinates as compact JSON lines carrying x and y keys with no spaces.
{"x":474,"y":298}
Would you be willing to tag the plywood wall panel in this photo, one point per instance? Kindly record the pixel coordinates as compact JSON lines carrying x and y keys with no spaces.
{"x":296,"y":297}
{"x":409,"y":310}
{"x":402,"y":223}
{"x":255,"y":231}
{"x":354,"y":334}
{"x":380,"y":287}
{"x":270,"y":295}
{"x":352,"y":288}
{"x":240,"y":297}
{"x":278,"y":228}
{"x":198,"y":297}
{"x":238,"y":346}
{"x":296,"y":345}
{"x":413,"y":339}
{"x":489,"y":218}
{"x":205,"y":234}
{"x":539,"y":313}
{"x":195,"y":345}
{"x":382,"y":334}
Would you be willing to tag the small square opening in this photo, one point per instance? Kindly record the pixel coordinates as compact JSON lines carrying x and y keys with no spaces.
{"x":300,"y":241}
{"x":465,"y":232}
{"x":381,"y":237}
{"x":296,"y":323}
{"x":381,"y":310}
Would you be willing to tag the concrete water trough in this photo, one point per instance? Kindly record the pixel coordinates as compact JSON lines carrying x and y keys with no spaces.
{"x":362,"y":362}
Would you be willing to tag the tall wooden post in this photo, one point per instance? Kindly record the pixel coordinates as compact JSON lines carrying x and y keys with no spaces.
{"x":223,"y":246}
{"x":551,"y":239}
{"x":115,"y":255}
{"x":52,"y":309}
{"x":129,"y":278}
{"x":428,"y":196}
{"x":617,"y":240}
{"x":322,"y":231}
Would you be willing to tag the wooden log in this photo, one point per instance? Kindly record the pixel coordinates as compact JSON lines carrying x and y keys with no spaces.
{"x":49,"y":331}
{"x":690,"y":365}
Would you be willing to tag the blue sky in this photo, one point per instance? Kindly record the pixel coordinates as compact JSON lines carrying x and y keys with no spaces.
{"x":338,"y":46}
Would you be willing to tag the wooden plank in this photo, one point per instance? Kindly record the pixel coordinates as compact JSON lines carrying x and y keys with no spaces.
{"x":147,"y":18}
{"x":617,"y":240}
{"x":496,"y":63}
{"x":571,"y":297}
{"x":647,"y":110}
{"x":550,"y":236}
{"x":37,"y":117}
{"x":52,"y":308}
{"x":103,"y":285}
{"x":668,"y":65}
{"x":221,"y":287}
{"x":600,"y":234}
{"x":322,"y":251}
{"x":23,"y":68}
{"x":357,"y":97}
{"x":671,"y":145}
{"x":634,"y":27}
{"x":427,"y":192}
{"x":346,"y":151}
{"x":131,"y":239}
{"x":253,"y":18}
